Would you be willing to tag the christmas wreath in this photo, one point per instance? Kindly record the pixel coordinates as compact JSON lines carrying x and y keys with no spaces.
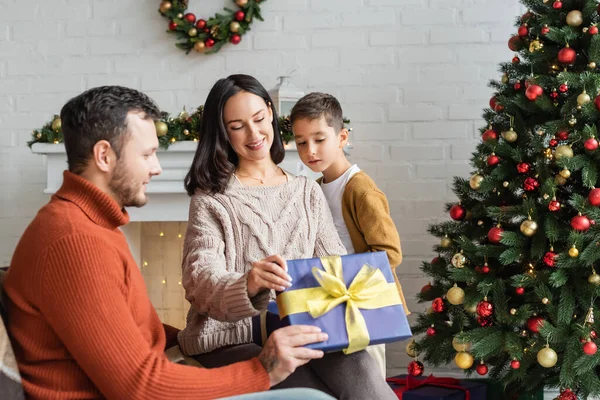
{"x":208,"y":36}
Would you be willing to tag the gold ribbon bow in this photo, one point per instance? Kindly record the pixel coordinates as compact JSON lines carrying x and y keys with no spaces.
{"x":368,"y":290}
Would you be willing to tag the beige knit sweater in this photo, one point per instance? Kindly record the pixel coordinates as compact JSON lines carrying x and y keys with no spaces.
{"x":226,"y":233}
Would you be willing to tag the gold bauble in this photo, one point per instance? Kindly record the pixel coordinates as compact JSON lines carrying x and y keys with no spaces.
{"x":458,"y":260}
{"x":38,"y":135}
{"x":165,"y":6}
{"x":594,"y":279}
{"x":529,"y":227}
{"x":573,"y":252}
{"x":446,"y":242}
{"x":214,"y":31}
{"x":460,"y":345}
{"x":583,"y":98}
{"x":464,"y":360}
{"x":455,"y":295}
{"x":180,"y":15}
{"x":513,"y":311}
{"x":193,"y":32}
{"x":572,"y":121}
{"x":547,"y":357}
{"x":472,"y":309}
{"x":574,"y":18}
{"x":410,"y":349}
{"x":563,"y":151}
{"x":186,"y":132}
{"x":475,"y":181}
{"x":505,"y":184}
{"x":480,"y":222}
{"x":510,"y":135}
{"x":234,"y":26}
{"x":592,"y":65}
{"x":545,"y":300}
{"x":56,"y":124}
{"x":565,"y":173}
{"x":173,"y":140}
{"x":535,"y":45}
{"x":504,"y":78}
{"x":161,"y":128}
{"x":241,"y":3}
{"x":548,"y":153}
{"x":559,"y":180}
{"x":199,"y":47}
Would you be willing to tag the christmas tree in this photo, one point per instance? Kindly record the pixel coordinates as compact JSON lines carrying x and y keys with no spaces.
{"x":513,"y":291}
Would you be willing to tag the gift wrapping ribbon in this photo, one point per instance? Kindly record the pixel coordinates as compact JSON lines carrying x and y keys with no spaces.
{"x":368,"y":290}
{"x":410,"y":383}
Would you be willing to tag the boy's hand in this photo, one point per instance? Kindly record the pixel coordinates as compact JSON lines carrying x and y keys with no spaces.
{"x":268,"y":273}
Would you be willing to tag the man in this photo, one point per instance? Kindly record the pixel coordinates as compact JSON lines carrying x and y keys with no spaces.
{"x":78,"y":311}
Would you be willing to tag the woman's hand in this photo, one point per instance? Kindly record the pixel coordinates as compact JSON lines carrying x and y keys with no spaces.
{"x":268,"y":273}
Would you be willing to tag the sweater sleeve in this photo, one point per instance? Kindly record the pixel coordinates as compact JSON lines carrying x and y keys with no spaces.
{"x":86,"y":303}
{"x":328,"y":241}
{"x":211,"y":285}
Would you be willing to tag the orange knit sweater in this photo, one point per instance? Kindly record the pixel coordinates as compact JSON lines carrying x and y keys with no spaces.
{"x":80,"y":318}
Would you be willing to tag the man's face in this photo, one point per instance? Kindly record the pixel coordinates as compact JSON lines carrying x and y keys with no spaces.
{"x":137,"y":163}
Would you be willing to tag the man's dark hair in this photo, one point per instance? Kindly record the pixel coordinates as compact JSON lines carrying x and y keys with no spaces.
{"x":100,"y":114}
{"x":316,"y":105}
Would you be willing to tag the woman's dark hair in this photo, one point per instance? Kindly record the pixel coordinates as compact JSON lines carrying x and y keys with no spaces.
{"x":215,"y":160}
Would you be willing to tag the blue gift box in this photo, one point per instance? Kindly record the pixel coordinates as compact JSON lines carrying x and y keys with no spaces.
{"x":477,"y":390}
{"x":384,"y":324}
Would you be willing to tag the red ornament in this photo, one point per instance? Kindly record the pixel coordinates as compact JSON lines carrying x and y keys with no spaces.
{"x":523,"y":31}
{"x":484,"y":321}
{"x":515,"y":43}
{"x":516,"y":60}
{"x":430,"y":331}
{"x":494,"y":105}
{"x":517,"y":85}
{"x":566,"y":56}
{"x":597,"y":102}
{"x":520,"y":291}
{"x":590,"y":348}
{"x":591,"y":144}
{"x":545,"y":30}
{"x":580,"y":223}
{"x":485,"y":308}
{"x":593,"y":335}
{"x":201,"y":24}
{"x":438,"y":305}
{"x":531,"y":184}
{"x":457,"y":212}
{"x":493,"y":160}
{"x":593,"y":30}
{"x":533,"y":92}
{"x":485,"y":269}
{"x":526,"y":16}
{"x":239,"y":15}
{"x":495,"y":234}
{"x":481,"y":369}
{"x":567,"y":394}
{"x":557,"y":5}
{"x":435,"y":260}
{"x":189,"y":17}
{"x":415,"y":368}
{"x":209,"y":42}
{"x":206,"y":30}
{"x":235,"y":38}
{"x":594,"y":197}
{"x":534,"y":324}
{"x":562,"y":135}
{"x":515,"y":364}
{"x":549,"y":258}
{"x":554,"y":206}
{"x":489,"y":135}
{"x":523,"y":167}
{"x":563,"y":88}
{"x":553,"y":142}
{"x":554,"y":95}
{"x":426,"y":288}
{"x":172,"y":26}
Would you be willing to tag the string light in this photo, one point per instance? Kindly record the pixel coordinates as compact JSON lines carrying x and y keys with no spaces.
{"x":164,"y":281}
{"x":161,"y":234}
{"x":145,"y":263}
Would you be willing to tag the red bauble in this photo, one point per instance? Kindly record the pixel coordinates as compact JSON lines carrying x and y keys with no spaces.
{"x":545,"y":30}
{"x":206,"y":30}
{"x":481,"y":369}
{"x":495,"y":234}
{"x":597,"y":102}
{"x":435,"y":260}
{"x":591,"y":144}
{"x":235,"y":39}
{"x":563,"y":88}
{"x":549,"y":258}
{"x":590,"y":348}
{"x":530,"y":184}
{"x":557,"y":5}
{"x":517,"y":86}
{"x":523,"y":31}
{"x":493,"y":160}
{"x":209,"y":42}
{"x":523,"y":167}
{"x":515,"y":364}
{"x":494,"y":105}
{"x":567,"y":394}
{"x":554,"y":95}
{"x":554,"y":206}
{"x":457,"y":212}
{"x":489,"y":135}
{"x":201,"y":24}
{"x":567,"y":56}
{"x":520,"y":290}
{"x":485,"y":321}
{"x":580,"y":223}
{"x":515,"y":43}
{"x":594,"y":197}
{"x":485,"y":308}
{"x":485,"y":269}
{"x":593,"y":30}
{"x":189,"y":17}
{"x":526,"y":16}
{"x":562,"y":135}
{"x":430,"y":331}
{"x":172,"y":26}
{"x":239,"y":15}
{"x":553,"y":143}
{"x":426,"y":288}
{"x":533,"y":92}
{"x":593,"y":335}
{"x":438,"y":305}
{"x":534,"y":324}
{"x":516,"y":60}
{"x":415,"y":368}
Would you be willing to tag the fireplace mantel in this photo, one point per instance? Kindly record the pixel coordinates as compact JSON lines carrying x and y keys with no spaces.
{"x":168,"y":200}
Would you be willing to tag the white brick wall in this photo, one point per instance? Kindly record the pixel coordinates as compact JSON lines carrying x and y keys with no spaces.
{"x":411,"y":74}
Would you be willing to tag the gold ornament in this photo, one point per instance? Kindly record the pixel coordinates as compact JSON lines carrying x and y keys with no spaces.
{"x":545,"y":300}
{"x":173,"y":140}
{"x":574,"y":18}
{"x":535,"y":45}
{"x":458,"y":260}
{"x":592,"y":65}
{"x":234,"y":26}
{"x":547,"y":357}
{"x":56,"y":124}
{"x":446,"y":242}
{"x":475,"y":181}
{"x":573,"y":252}
{"x":505,"y":184}
{"x":594,"y":278}
{"x":563,"y":151}
{"x":38,"y":135}
{"x":180,"y":15}
{"x":199,"y":47}
{"x":509,"y":135}
{"x":460,"y":345}
{"x":186,"y":132}
{"x":480,"y":222}
{"x":572,"y":121}
{"x":410,"y":349}
{"x":214,"y":31}
{"x":545,"y":196}
{"x":559,"y":180}
{"x":193,"y":32}
{"x":548,"y":153}
{"x":589,"y":317}
{"x":529,"y":227}
{"x":565,"y":173}
{"x":183,"y":115}
{"x":241,"y":3}
{"x":504,"y":78}
{"x":161,"y":128}
{"x":455,"y":295}
{"x":464,"y":360}
{"x":165,"y":6}
{"x":583,"y":98}
{"x":513,"y":311}
{"x":472,"y":309}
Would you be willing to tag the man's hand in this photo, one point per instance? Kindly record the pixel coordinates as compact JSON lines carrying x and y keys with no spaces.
{"x":268,"y":273}
{"x":284,"y":351}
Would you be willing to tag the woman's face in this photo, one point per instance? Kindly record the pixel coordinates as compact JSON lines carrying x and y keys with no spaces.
{"x":248,"y":121}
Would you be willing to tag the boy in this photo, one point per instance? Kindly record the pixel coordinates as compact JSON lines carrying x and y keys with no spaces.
{"x":360,"y":210}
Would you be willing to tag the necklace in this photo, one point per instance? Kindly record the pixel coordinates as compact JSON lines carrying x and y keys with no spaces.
{"x":261,"y":180}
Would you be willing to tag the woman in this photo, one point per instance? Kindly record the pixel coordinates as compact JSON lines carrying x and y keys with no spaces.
{"x":247,"y":216}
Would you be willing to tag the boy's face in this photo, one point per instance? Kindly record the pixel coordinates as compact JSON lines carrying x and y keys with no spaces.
{"x":319,"y":145}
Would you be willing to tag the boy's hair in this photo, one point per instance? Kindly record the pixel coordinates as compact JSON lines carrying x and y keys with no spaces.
{"x":316,"y":105}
